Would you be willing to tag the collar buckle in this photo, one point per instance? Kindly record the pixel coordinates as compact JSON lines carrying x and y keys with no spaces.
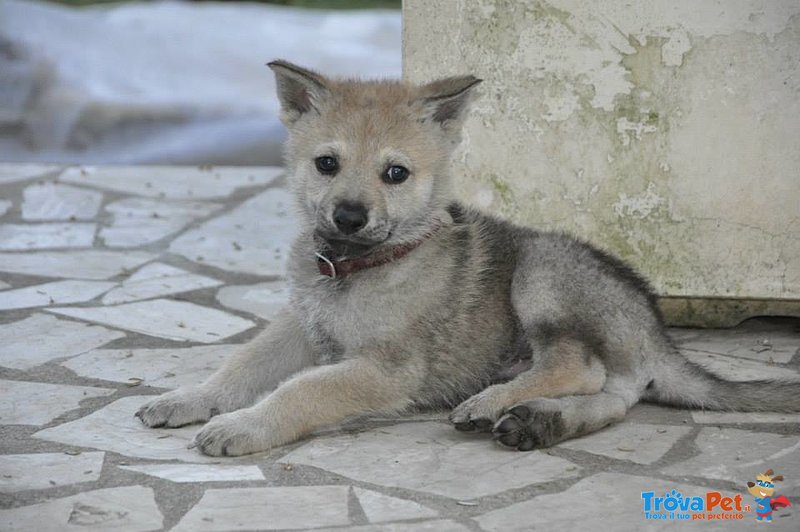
{"x":327,"y":261}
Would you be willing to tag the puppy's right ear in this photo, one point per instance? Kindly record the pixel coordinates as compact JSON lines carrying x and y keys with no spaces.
{"x":299,"y":90}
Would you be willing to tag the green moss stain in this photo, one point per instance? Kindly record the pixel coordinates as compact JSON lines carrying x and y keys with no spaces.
{"x":505,"y":200}
{"x":501,"y":187}
{"x":638,"y":146}
{"x":637,"y":131}
{"x":644,"y":65}
{"x":498,"y":29}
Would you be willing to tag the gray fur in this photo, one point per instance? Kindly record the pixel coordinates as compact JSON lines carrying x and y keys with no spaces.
{"x":536,"y":337}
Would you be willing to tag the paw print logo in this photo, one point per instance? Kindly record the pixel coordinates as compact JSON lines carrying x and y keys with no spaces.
{"x":672,"y":500}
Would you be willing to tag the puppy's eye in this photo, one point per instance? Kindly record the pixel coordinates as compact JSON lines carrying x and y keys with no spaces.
{"x":396,"y":174}
{"x":326,"y":164}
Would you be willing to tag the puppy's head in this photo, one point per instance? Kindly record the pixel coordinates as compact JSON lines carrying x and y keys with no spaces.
{"x":368,"y":160}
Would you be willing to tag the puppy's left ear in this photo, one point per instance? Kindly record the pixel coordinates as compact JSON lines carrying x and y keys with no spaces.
{"x":299,"y":90}
{"x":445,"y":101}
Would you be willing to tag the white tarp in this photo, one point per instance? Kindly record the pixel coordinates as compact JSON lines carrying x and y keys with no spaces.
{"x":168,"y":82}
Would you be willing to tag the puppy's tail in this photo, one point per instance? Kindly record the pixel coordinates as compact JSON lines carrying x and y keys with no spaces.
{"x":679,"y":382}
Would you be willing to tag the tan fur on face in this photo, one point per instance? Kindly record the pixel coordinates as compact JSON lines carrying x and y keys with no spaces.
{"x":368,"y":127}
{"x":370,"y":134}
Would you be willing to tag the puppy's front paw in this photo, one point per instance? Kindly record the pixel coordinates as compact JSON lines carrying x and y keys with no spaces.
{"x":479,"y":412}
{"x":178,"y":408}
{"x":233,"y":434}
{"x":530,"y":425}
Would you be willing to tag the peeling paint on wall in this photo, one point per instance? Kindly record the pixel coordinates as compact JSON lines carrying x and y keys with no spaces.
{"x":664,"y":131}
{"x":638,"y":206}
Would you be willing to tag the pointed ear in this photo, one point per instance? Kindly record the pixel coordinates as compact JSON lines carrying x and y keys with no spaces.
{"x":777,"y":477}
{"x":299,"y":90}
{"x":445,"y":101}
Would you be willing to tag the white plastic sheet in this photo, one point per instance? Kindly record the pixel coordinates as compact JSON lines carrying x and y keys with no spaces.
{"x":168,"y":82}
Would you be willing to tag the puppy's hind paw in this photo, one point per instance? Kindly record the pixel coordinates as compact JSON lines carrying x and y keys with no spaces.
{"x":525,"y":427}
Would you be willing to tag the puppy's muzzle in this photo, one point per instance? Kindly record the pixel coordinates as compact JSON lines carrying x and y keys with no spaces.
{"x":350,"y":218}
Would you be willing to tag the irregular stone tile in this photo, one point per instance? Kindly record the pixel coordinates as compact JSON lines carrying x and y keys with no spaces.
{"x":172,"y":182}
{"x":199,"y":472}
{"x":380,"y":508}
{"x":89,"y":264}
{"x":53,"y":201}
{"x":609,"y":501}
{"x":164,"y":318}
{"x":264,"y":300}
{"x":128,"y":509}
{"x":637,"y":442}
{"x":114,"y":428}
{"x":46,"y":470}
{"x":738,"y":369}
{"x":430,"y":457}
{"x":289,"y":508}
{"x":21,"y":237}
{"x":41,"y":338}
{"x":765,"y":346}
{"x":13,"y":172}
{"x":252,"y":238}
{"x":709,"y":417}
{"x":57,"y":292}
{"x":5,"y":206}
{"x":443,"y":525}
{"x":738,"y":455}
{"x":164,"y":368}
{"x":155,"y":280}
{"x":36,"y":403}
{"x":139,"y":221}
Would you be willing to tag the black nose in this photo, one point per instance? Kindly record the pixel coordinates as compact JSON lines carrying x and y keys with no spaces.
{"x":350,"y":217}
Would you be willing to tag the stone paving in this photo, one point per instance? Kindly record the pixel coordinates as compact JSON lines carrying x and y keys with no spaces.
{"x":117,"y":284}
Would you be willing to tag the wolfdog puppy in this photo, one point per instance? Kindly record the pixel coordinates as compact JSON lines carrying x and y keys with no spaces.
{"x":403,"y":298}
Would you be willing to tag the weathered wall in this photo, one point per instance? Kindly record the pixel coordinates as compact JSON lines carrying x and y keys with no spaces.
{"x":667,"y":131}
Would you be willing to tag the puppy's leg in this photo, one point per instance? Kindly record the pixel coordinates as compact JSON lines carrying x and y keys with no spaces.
{"x":543,"y":422}
{"x":277,"y":353}
{"x":565,"y":367}
{"x":318,"y":397}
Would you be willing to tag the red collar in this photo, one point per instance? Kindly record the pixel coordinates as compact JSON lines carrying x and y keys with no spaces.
{"x":343,"y":268}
